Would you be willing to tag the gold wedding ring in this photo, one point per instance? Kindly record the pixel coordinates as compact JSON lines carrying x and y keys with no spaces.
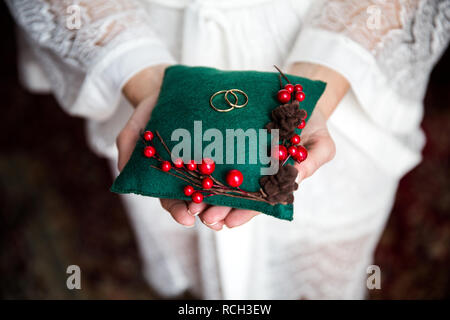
{"x":232,"y":105}
{"x":216,"y":94}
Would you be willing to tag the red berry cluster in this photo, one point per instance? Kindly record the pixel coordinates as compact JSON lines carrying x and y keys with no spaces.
{"x":285,"y":95}
{"x":292,"y":148}
{"x":199,"y":175}
{"x":234,"y":178}
{"x":205,"y":169}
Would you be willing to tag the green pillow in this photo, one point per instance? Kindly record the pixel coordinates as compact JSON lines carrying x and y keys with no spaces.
{"x":183,"y":109}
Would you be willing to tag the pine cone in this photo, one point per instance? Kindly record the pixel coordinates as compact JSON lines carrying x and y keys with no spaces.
{"x":286,"y":118}
{"x":279,"y":188}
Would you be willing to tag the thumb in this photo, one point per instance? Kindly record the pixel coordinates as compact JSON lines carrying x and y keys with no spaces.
{"x":127,"y":138}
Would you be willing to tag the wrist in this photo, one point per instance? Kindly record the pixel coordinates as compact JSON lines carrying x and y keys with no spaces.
{"x":337,"y":85}
{"x":145,"y":83}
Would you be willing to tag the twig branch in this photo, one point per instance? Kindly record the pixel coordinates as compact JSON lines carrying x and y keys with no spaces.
{"x":282,"y":74}
{"x":195,"y":179}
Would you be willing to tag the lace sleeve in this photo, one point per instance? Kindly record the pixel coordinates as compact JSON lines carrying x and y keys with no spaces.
{"x":368,"y":22}
{"x":389,"y":45}
{"x":82,"y":47}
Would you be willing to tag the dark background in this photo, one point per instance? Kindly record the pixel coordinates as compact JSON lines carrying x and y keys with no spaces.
{"x":56,"y":210}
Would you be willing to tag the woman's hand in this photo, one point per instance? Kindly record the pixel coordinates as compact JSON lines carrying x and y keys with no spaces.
{"x":315,"y":135}
{"x":142,"y":91}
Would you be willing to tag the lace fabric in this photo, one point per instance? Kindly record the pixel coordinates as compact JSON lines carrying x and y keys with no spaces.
{"x":77,"y":41}
{"x":101,"y":25}
{"x":406,"y":37}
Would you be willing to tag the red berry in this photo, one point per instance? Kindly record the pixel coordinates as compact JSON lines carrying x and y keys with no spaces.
{"x":207,"y":166}
{"x":306,"y":114}
{"x":283,"y":96}
{"x":299,"y":96}
{"x":302,"y":124}
{"x":191,"y":165}
{"x":197,"y":197}
{"x":178,"y":163}
{"x":166,"y":166}
{"x":234,"y":178}
{"x":289,"y":87}
{"x":148,"y":135}
{"x":188,"y":190}
{"x":292,"y":151}
{"x":207,"y":183}
{"x":295,"y":139}
{"x":302,"y":153}
{"x":149,"y":151}
{"x":282,"y":153}
{"x":298,"y":88}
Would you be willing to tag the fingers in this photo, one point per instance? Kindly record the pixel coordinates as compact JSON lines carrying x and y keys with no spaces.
{"x":321,"y":150}
{"x":179,"y":211}
{"x":238,"y":217}
{"x":194,"y":209}
{"x":213,"y":217}
{"x":216,"y":226}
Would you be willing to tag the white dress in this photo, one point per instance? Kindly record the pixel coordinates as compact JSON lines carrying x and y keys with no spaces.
{"x":385,"y":49}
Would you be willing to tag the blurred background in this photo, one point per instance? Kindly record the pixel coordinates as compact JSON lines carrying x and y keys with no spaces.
{"x":56,"y":210}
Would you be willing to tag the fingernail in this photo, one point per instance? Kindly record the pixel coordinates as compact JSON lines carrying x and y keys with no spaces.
{"x":210,"y":224}
{"x":191,"y":226}
{"x":194,"y":215}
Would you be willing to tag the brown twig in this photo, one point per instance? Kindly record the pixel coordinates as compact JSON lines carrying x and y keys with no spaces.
{"x":179,"y":177}
{"x":282,"y":74}
{"x":217,"y":192}
{"x":217,"y":181}
{"x":163,"y":143}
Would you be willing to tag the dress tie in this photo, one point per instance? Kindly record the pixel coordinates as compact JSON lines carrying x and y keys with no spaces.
{"x":207,"y":37}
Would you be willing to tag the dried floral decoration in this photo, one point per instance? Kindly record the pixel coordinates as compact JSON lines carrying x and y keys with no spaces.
{"x":192,"y":174}
{"x":279,"y":188}
{"x":286,"y":118}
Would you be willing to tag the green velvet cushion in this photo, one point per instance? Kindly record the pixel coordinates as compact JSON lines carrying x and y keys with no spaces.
{"x":184,"y":98}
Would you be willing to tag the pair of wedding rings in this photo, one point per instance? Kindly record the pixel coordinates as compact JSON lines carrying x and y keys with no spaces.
{"x":227,"y":100}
